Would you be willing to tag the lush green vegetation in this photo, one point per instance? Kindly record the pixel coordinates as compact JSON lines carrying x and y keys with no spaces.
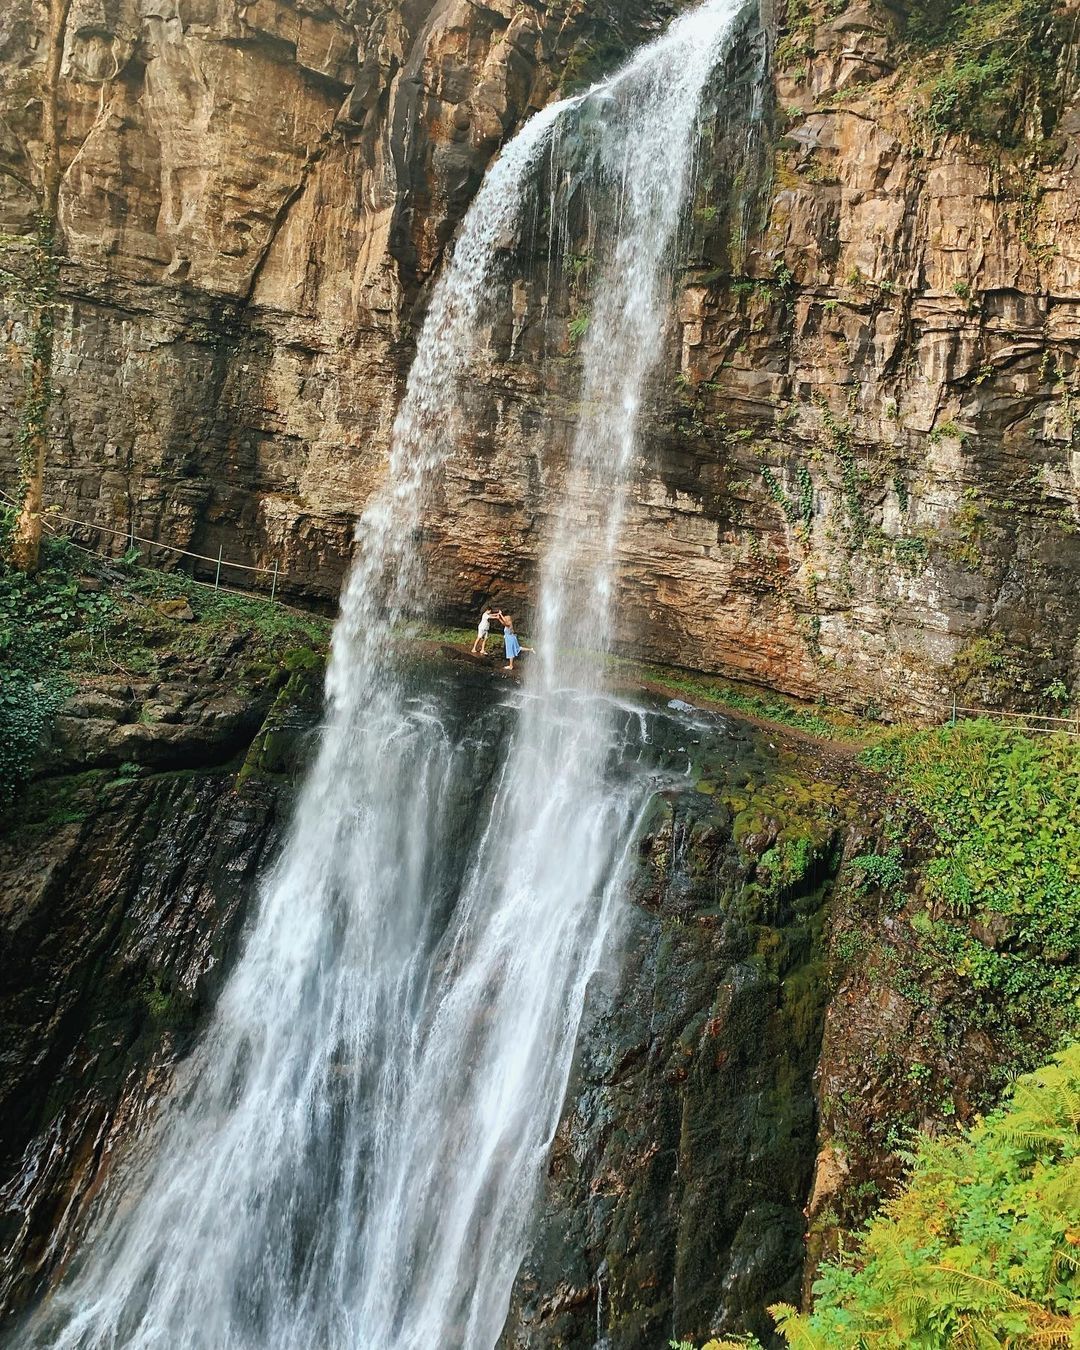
{"x":38,"y":616}
{"x":994,"y":61}
{"x":1002,"y":890}
{"x":982,"y":1246}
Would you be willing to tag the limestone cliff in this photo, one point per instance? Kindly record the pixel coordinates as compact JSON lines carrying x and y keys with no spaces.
{"x":860,"y":458}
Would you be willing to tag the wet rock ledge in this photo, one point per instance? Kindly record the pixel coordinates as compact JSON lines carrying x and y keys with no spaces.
{"x":157,"y":796}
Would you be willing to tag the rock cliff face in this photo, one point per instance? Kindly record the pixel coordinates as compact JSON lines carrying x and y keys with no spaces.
{"x":678,"y":1179}
{"x":861,"y":454}
{"x":126,"y":873}
{"x":254,"y":195}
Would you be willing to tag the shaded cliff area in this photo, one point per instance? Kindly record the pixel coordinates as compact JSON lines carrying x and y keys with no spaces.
{"x":148,"y":766}
{"x":178,"y":720}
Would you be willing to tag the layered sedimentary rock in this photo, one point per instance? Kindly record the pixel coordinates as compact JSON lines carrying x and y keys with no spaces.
{"x":860,"y":454}
{"x":253,"y":196}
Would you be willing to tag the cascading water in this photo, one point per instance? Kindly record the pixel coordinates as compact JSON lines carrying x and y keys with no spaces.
{"x":351,"y":1154}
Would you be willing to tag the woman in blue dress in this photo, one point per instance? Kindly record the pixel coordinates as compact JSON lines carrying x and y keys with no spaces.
{"x":510,"y":639}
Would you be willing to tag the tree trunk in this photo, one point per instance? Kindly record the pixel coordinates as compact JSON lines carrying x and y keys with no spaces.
{"x":34,"y":435}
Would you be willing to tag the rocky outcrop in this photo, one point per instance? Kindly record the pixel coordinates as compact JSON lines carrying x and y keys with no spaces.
{"x":119,"y":911}
{"x":861,"y":455}
{"x":685,"y":1156}
{"x":675,"y":1200}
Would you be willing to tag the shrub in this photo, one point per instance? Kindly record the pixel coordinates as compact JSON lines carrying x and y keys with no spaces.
{"x":1005,"y":810}
{"x":27,"y":707}
{"x":999,"y":60}
{"x":38,"y":614}
{"x":577,"y":328}
{"x":982,"y":1246}
{"x":882,"y":871}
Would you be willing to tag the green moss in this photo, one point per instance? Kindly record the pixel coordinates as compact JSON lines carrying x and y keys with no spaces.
{"x":818,"y":719}
{"x":967,"y":525}
{"x":273,"y":630}
{"x":985,"y":668}
{"x":61,"y":625}
{"x":988,"y":62}
{"x":796,"y":816}
{"x":270,"y":753}
{"x":39,"y":614}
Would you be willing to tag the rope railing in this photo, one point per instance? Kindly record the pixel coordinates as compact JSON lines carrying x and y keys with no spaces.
{"x":220,"y":562}
{"x":1037,"y":723}
{"x":1043,"y":723}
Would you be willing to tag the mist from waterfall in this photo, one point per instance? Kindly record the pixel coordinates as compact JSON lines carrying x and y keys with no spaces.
{"x":351,"y":1155}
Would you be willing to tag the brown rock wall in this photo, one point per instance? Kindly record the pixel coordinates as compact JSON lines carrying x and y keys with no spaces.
{"x":860,"y":457}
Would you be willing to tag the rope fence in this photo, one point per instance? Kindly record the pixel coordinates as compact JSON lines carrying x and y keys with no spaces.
{"x":1035,"y":723}
{"x":218,"y":563}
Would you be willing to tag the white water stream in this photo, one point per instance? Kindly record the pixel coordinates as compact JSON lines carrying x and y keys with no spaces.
{"x":352,"y":1153}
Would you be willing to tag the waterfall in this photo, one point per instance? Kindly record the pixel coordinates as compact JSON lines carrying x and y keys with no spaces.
{"x":350,"y":1156}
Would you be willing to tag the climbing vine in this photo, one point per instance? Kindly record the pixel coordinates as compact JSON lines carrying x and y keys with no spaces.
{"x":800,"y":510}
{"x":851,"y":478}
{"x":992,"y":64}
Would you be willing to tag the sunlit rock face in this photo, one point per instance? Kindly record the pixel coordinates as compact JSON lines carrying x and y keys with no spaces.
{"x":254,"y":196}
{"x":860,"y":455}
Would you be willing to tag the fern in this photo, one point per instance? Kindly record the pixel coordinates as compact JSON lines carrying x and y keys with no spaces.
{"x":982,"y":1249}
{"x":795,"y":1329}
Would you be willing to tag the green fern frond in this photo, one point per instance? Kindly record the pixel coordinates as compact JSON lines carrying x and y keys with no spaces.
{"x":795,"y":1328}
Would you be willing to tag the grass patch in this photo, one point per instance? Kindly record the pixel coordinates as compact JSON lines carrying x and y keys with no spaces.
{"x":819,"y":720}
{"x":273,"y":628}
{"x":39,"y":616}
{"x":77,"y":620}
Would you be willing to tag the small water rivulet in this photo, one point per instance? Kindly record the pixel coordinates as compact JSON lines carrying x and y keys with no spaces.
{"x":351,"y":1154}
